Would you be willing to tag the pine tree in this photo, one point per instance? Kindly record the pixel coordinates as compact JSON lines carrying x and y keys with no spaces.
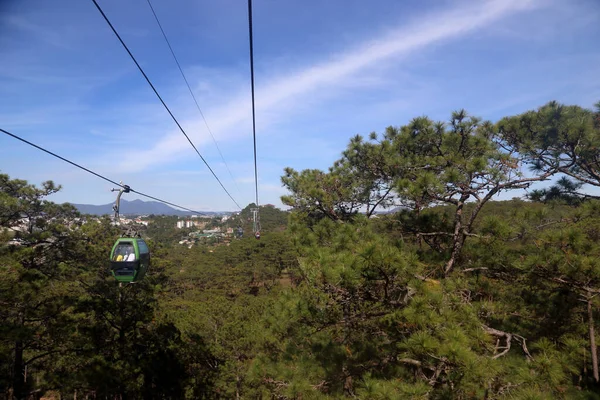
{"x":37,"y":280}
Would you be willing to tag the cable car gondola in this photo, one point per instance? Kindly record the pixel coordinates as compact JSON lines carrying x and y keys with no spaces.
{"x":130,"y":255}
{"x":129,"y":259}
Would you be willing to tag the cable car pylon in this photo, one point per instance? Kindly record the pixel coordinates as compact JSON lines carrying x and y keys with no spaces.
{"x":255,"y":222}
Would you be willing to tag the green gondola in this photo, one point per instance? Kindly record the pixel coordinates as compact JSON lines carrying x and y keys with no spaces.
{"x":129,"y":259}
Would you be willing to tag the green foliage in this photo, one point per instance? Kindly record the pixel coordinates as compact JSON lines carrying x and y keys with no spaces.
{"x":557,"y":138}
{"x":65,"y":323}
{"x":456,"y":296}
{"x":271,"y":219}
{"x":318,"y":195}
{"x":163,"y":229}
{"x":37,"y":287}
{"x":565,"y":191}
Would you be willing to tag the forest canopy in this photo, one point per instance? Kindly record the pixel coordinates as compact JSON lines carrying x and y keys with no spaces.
{"x":455,"y":295}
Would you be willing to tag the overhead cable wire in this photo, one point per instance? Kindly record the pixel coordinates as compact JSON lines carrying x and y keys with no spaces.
{"x":97,"y":174}
{"x":192,"y":93}
{"x":162,"y":101}
{"x":252,"y":86}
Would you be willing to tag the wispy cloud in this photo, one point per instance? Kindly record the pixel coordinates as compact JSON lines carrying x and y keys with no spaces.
{"x":282,"y":94}
{"x":48,"y":36}
{"x":245,"y":179}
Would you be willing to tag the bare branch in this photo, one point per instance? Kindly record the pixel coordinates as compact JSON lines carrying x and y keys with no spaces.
{"x":475,"y":269}
{"x":508,"y":339}
{"x":410,"y":361}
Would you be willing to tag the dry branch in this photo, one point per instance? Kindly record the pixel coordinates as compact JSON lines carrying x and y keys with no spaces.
{"x":508,"y":337}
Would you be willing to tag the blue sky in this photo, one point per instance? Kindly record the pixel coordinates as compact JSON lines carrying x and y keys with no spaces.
{"x":324,"y":71}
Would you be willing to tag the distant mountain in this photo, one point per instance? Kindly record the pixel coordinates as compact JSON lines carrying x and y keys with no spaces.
{"x":391,"y":211}
{"x":138,"y":207}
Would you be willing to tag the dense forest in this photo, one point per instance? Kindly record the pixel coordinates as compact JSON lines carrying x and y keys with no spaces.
{"x":458,"y":295}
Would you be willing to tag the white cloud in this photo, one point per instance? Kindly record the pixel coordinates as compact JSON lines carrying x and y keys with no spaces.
{"x":284,"y":90}
{"x":245,"y":179}
{"x":282,"y":94}
{"x":48,"y":36}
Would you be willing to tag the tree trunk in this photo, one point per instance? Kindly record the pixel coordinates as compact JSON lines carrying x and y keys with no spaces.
{"x":593,"y":348}
{"x":122,"y":343}
{"x":18,"y":378}
{"x":18,"y":372}
{"x":456,"y":249}
{"x":458,"y":238}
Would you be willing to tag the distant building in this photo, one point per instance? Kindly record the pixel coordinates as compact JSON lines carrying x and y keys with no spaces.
{"x":190,"y":224}
{"x":22,"y":226}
